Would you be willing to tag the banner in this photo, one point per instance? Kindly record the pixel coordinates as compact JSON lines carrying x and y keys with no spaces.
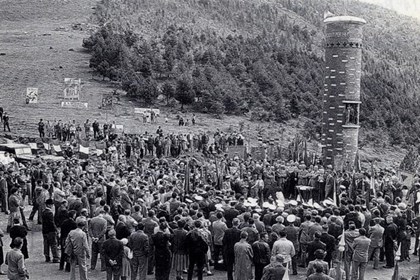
{"x":234,"y":151}
{"x":74,"y":104}
{"x":72,"y":88}
{"x":31,"y":95}
{"x":146,"y":111}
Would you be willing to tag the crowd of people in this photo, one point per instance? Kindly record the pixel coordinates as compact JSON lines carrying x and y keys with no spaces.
{"x":175,"y":215}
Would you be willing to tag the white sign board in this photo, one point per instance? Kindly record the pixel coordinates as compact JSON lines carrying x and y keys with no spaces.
{"x":74,"y":104}
{"x":72,"y":89}
{"x":31,"y":95}
{"x":146,"y":111}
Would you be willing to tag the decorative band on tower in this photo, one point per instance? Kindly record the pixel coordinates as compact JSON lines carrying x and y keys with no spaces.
{"x":341,"y":97}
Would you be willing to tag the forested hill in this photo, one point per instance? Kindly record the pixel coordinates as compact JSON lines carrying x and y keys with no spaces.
{"x":263,"y":58}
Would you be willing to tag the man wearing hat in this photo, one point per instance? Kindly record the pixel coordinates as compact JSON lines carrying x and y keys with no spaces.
{"x":49,"y":232}
{"x":292,"y":234}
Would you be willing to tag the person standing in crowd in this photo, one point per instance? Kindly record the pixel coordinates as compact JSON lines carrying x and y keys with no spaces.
{"x":329,"y":242}
{"x":179,"y":249}
{"x":138,"y":242}
{"x":16,"y":262}
{"x":219,"y":228}
{"x":113,"y":251}
{"x":360,"y":255}
{"x":319,"y":274}
{"x":67,"y":226}
{"x":262,"y":255}
{"x":14,"y":207}
{"x":376,"y":233}
{"x":275,"y":270}
{"x":319,"y":260}
{"x":284,"y":247}
{"x":292,"y":234}
{"x":49,"y":232}
{"x":18,"y":230}
{"x":4,"y":193}
{"x":150,"y":223}
{"x":243,"y":258}
{"x":6,"y":122}
{"x":161,"y":241}
{"x":77,"y":250}
{"x":41,"y":128}
{"x":126,"y":261}
{"x":349,"y":236}
{"x":231,"y":237}
{"x":390,"y":240}
{"x":197,"y":247}
{"x":97,"y":232}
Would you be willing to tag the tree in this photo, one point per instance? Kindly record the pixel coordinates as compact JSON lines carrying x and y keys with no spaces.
{"x":168,"y":91}
{"x":184,"y":92}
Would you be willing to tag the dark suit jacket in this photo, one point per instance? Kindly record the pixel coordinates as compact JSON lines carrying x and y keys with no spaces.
{"x":329,"y":241}
{"x":113,"y":249}
{"x":122,"y":231}
{"x":313,"y":246}
{"x":232,"y":235}
{"x":67,"y":226}
{"x":48,"y":224}
{"x":139,"y":243}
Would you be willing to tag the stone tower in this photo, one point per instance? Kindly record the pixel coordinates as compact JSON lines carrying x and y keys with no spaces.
{"x":340,"y":119}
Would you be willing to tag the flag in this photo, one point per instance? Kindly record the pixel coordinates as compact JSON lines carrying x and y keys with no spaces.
{"x":335,"y":193}
{"x":396,"y":274}
{"x":357,"y":167}
{"x":286,"y":273}
{"x":33,"y":146}
{"x":83,"y":151}
{"x":187,"y":178}
{"x":305,"y":155}
{"x":372,"y":180}
{"x":57,"y":149}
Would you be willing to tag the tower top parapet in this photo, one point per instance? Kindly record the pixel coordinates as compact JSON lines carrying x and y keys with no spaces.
{"x":344,"y":19}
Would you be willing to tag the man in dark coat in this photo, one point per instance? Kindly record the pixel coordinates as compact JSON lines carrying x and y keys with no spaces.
{"x":138,"y":242}
{"x":113,"y":251}
{"x":390,"y":239}
{"x":230,"y":238}
{"x":315,"y":245}
{"x":262,"y":255}
{"x":329,"y":241}
{"x":20,"y":231}
{"x":49,"y":232}
{"x":197,"y":248}
{"x":230,"y":214}
{"x":67,"y":225}
{"x":121,"y":228}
